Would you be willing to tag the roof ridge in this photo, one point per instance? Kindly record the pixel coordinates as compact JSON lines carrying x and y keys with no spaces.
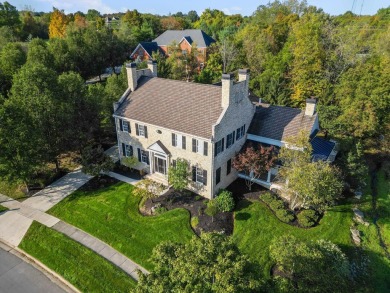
{"x":186,"y":82}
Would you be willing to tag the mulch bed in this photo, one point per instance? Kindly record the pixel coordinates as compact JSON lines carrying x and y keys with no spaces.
{"x":172,"y":199}
{"x":125,"y":171}
{"x":241,"y":191}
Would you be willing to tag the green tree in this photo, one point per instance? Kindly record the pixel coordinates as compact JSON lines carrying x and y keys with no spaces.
{"x":211,"y":263}
{"x":212,"y":209}
{"x":225,"y":201}
{"x":318,"y":266}
{"x":38,"y":53}
{"x":179,"y":175}
{"x":94,"y":161}
{"x":9,"y":15}
{"x":356,"y":166}
{"x":92,"y":15}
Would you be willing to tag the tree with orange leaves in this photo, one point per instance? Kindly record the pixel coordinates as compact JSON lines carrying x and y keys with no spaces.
{"x":58,"y":23}
{"x":80,"y":21}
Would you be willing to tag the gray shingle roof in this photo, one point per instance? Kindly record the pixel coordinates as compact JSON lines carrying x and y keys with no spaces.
{"x":198,"y":36}
{"x":186,"y":107}
{"x":277,"y":122}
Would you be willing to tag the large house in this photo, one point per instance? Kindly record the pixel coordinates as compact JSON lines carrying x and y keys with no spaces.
{"x":187,"y":40}
{"x":160,"y":120}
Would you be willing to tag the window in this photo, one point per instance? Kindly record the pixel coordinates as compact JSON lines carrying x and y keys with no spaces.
{"x":178,"y":141}
{"x":141,"y":130}
{"x":199,"y":175}
{"x":229,"y":167}
{"x":218,"y":176}
{"x":145,"y":157}
{"x":230,"y":140}
{"x":126,"y":126}
{"x":198,"y":146}
{"x":219,"y":146}
{"x":240,"y":132}
{"x":127,"y":150}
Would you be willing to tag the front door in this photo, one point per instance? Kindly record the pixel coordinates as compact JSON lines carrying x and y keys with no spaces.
{"x":160,"y":165}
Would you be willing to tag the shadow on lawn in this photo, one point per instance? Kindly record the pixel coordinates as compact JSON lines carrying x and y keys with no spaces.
{"x":90,"y":188}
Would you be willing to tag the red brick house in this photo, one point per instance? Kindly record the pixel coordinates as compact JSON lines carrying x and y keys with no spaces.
{"x":186,"y":39}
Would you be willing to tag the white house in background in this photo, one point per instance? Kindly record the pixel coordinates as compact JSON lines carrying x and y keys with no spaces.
{"x":160,"y":120}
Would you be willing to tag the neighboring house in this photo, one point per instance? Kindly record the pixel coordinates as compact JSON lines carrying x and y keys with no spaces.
{"x":185,"y":39}
{"x":273,"y":125}
{"x":160,"y":120}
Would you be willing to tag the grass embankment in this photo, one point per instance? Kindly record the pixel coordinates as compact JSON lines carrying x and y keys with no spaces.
{"x":256,"y":226}
{"x":376,"y":238}
{"x":82,"y":267}
{"x":111,"y":214}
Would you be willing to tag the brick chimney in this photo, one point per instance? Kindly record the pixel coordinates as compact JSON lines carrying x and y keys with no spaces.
{"x":152,"y":66}
{"x":131,"y":69}
{"x":227,"y":89}
{"x":311,"y":105}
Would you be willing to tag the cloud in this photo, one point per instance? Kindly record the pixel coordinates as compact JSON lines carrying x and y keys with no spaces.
{"x":232,"y":10}
{"x":80,"y":5}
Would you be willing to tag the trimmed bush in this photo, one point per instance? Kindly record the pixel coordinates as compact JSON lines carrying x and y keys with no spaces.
{"x":225,"y":201}
{"x":267,"y":197}
{"x":308,"y":218}
{"x":277,"y":206}
{"x":285,"y":215}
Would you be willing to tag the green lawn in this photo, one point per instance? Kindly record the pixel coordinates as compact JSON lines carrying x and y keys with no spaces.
{"x":256,"y":226}
{"x":82,"y":267}
{"x":379,"y":263}
{"x":112,"y":215}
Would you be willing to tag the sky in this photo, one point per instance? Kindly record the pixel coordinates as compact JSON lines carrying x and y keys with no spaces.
{"x":161,"y":7}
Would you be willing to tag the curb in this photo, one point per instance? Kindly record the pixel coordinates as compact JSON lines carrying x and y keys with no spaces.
{"x":52,"y":275}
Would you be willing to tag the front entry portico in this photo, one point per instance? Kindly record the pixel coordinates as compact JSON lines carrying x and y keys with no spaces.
{"x":159,"y":155}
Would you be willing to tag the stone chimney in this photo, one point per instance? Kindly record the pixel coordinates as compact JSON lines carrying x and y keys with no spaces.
{"x":227,"y":89}
{"x":131,"y":69}
{"x":243,"y":74}
{"x":152,"y":66}
{"x":311,"y":104}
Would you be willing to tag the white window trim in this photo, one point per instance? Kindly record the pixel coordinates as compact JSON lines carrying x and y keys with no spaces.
{"x":125,"y":129}
{"x":144,"y":157}
{"x":128,"y":151}
{"x":218,"y":143}
{"x":231,"y":135}
{"x":141,"y":130}
{"x":199,"y":174}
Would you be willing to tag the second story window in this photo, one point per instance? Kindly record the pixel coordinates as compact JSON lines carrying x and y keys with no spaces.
{"x":219,"y":147}
{"x":240,"y":132}
{"x":124,"y":125}
{"x":230,"y":139}
{"x":141,"y":130}
{"x":179,"y":141}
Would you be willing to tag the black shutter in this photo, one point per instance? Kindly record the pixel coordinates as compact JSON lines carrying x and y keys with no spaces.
{"x":147,"y":158}
{"x":194,"y":145}
{"x":215,"y":149}
{"x":237,"y":132}
{"x":233,"y":135}
{"x":183,"y":142}
{"x":204,"y":177}
{"x":218,"y":176}
{"x":136,"y":129}
{"x":173,"y":139}
{"x":229,"y":167}
{"x":174,"y":164}
{"x":120,"y":124}
{"x":128,"y":127}
{"x":194,"y":173}
{"x":146,"y":131}
{"x":223,"y":144}
{"x":227,"y":141}
{"x":123,"y":149}
{"x":205,"y":148}
{"x":139,"y":154}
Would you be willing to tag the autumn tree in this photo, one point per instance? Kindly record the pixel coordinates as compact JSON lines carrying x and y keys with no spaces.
{"x":172,"y":23}
{"x":211,"y":263}
{"x":58,"y":23}
{"x":254,"y":162}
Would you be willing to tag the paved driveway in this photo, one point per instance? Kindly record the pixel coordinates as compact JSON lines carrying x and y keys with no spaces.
{"x":17,"y":276}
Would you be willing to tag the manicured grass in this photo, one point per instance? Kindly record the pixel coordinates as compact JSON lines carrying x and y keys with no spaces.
{"x":3,"y":209}
{"x":82,"y":267}
{"x":111,"y":214}
{"x":379,"y":264}
{"x":255,"y":227}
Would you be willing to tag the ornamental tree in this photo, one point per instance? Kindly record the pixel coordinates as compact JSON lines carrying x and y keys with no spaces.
{"x":211,"y":263}
{"x":179,"y":175}
{"x":253,"y":162}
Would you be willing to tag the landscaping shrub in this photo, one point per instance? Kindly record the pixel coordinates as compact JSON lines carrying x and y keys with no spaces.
{"x":194,"y":222}
{"x":308,"y":218}
{"x":212,"y":209}
{"x":277,"y":206}
{"x":160,"y":210}
{"x":225,"y":201}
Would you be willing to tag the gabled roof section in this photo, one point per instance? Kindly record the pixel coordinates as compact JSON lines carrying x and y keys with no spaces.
{"x":201,"y":39}
{"x":279,"y":123}
{"x":186,"y":107}
{"x":149,"y":48}
{"x":159,"y":147}
{"x":188,"y":39}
